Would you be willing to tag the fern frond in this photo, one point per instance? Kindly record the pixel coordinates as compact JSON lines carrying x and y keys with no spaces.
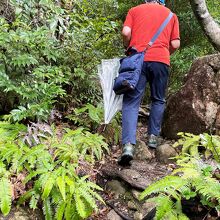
{"x":164,"y":205}
{"x":34,"y":200}
{"x":47,"y":210}
{"x":33,"y":174}
{"x":164,"y":185}
{"x":208,"y":187}
{"x":60,"y":210}
{"x":56,"y":197}
{"x":93,"y":186}
{"x":47,"y":187}
{"x":84,"y":193}
{"x":8,"y":151}
{"x":71,"y":184}
{"x":5,"y":196}
{"x":190,"y":140}
{"x":170,"y":215}
{"x":69,"y":210}
{"x":9,"y":132}
{"x":187,"y":172}
{"x":3,"y":171}
{"x":25,"y":196}
{"x":88,"y":208}
{"x":80,"y":205}
{"x":194,"y":150}
{"x":96,"y":195}
{"x":62,"y":186}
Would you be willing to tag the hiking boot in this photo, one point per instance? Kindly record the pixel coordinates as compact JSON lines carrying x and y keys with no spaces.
{"x":127,"y":154}
{"x":152,"y":141}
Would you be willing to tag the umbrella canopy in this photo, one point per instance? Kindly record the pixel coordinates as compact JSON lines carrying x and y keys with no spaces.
{"x":108,"y":70}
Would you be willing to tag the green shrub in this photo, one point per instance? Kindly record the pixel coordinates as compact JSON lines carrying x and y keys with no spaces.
{"x":49,"y":55}
{"x":92,"y":118}
{"x":88,"y":116}
{"x":53,"y":169}
{"x":193,"y":178}
{"x":191,"y":143}
{"x":196,"y":178}
{"x":5,"y":190}
{"x":29,"y":71}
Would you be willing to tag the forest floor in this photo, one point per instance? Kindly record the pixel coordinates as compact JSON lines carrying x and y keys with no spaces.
{"x":123,"y":185}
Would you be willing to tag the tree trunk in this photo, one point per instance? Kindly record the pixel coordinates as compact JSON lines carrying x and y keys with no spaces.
{"x":210,"y":27}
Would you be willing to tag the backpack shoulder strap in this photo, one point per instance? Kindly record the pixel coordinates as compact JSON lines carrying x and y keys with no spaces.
{"x":161,"y":28}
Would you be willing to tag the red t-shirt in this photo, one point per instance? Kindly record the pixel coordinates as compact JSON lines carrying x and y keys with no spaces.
{"x":144,"y":20}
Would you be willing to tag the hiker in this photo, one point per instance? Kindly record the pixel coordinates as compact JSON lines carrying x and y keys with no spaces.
{"x":139,"y":27}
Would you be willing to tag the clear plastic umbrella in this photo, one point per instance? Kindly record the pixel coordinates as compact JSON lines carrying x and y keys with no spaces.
{"x":108,"y":70}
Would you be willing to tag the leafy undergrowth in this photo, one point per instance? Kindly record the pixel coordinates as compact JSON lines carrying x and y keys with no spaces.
{"x":48,"y":168}
{"x":196,"y":180}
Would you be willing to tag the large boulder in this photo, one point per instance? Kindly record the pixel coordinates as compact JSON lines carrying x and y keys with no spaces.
{"x":196,"y":107}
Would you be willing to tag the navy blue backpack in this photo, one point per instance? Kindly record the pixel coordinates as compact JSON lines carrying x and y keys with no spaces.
{"x":131,"y":66}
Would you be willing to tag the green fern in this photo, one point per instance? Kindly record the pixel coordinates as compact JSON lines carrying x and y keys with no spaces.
{"x":167,"y":184}
{"x":81,"y":144}
{"x":164,"y":205}
{"x":47,"y":187}
{"x":5,"y":195}
{"x":212,"y":144}
{"x":195,"y":179}
{"x":70,"y":210}
{"x":47,"y":209}
{"x":208,"y":187}
{"x":34,"y":200}
{"x":62,"y":186}
{"x":66,"y":187}
{"x":56,"y":184}
{"x":5,"y":190}
{"x":167,"y":208}
{"x":190,"y":144}
{"x":60,"y":210}
{"x":9,"y":132}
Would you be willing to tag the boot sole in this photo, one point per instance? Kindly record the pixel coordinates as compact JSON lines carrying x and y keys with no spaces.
{"x":125,"y":160}
{"x":152,"y":146}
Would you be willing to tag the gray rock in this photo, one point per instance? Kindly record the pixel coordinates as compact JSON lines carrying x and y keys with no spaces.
{"x":217,"y":122}
{"x":135,"y":193}
{"x":142,"y":152}
{"x":134,"y":178}
{"x":138,"y":216}
{"x":147,"y":207}
{"x":132,"y":205}
{"x":196,"y":107}
{"x":112,"y":215}
{"x":23,"y":213}
{"x":139,"y":175}
{"x":165,"y":152}
{"x":116,"y":187}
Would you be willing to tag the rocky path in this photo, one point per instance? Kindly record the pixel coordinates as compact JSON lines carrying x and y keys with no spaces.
{"x":122,"y":185}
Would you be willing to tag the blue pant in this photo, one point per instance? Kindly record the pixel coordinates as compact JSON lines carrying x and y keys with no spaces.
{"x":156,"y":74}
